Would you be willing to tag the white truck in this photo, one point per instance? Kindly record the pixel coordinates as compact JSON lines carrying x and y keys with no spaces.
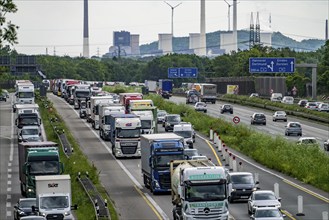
{"x":198,"y":190}
{"x":27,"y":115}
{"x":125,"y":135}
{"x":54,"y":198}
{"x":94,"y":108}
{"x":81,"y":92}
{"x":24,"y":92}
{"x":185,"y":129}
{"x":208,"y":92}
{"x":148,"y":117}
{"x":104,"y":118}
{"x":151,"y":85}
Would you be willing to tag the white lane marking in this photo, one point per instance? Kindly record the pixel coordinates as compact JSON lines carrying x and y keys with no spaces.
{"x":8,"y":197}
{"x":9,"y":189}
{"x":8,"y":213}
{"x":132,"y":178}
{"x":11,"y":156}
{"x":9,"y":182}
{"x":8,"y":204}
{"x":274,"y":174}
{"x":10,"y":170}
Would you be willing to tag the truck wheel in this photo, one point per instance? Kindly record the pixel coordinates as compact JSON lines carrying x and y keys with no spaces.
{"x":230,"y":199}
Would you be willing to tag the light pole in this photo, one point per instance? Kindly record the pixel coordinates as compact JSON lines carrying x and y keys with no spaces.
{"x":172,"y":16}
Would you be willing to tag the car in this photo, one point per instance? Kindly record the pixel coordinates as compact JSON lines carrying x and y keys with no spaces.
{"x":240,"y":185}
{"x":323,"y":107}
{"x":268,"y":213}
{"x":254,"y":95}
{"x":161,"y":115}
{"x":189,"y":153}
{"x":3,"y":97}
{"x":279,"y":115}
{"x":307,"y":141}
{"x":311,"y":105}
{"x":200,"y":106}
{"x":226,"y":108}
{"x":293,"y":128}
{"x":170,"y":120}
{"x":23,"y":207}
{"x":165,"y":94}
{"x":287,"y":100}
{"x":326,"y":145}
{"x":302,"y":102}
{"x":258,"y":118}
{"x":262,"y":198}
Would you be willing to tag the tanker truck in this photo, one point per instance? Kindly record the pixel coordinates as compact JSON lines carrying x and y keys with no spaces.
{"x":198,"y":190}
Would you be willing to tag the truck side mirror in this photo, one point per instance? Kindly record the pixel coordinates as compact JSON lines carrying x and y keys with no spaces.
{"x":61,"y":167}
{"x":74,"y":207}
{"x":150,"y":162}
{"x":40,"y":121}
{"x":16,"y":121}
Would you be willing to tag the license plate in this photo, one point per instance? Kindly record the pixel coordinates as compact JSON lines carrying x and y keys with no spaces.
{"x":244,"y":197}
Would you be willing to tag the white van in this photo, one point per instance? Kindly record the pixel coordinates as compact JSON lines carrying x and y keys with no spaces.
{"x":276,"y":97}
{"x":287,"y":100}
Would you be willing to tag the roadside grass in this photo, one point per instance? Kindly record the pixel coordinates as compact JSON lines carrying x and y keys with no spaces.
{"x":77,"y":162}
{"x":306,"y":163}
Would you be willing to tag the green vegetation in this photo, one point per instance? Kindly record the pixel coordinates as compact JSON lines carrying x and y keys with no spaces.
{"x":78,"y":162}
{"x":120,"y":89}
{"x":308,"y":164}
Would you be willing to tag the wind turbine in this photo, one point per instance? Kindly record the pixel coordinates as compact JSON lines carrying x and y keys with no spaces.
{"x":172,"y":16}
{"x":229,"y":14}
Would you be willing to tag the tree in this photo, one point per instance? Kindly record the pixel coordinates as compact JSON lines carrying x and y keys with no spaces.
{"x":8,"y":31}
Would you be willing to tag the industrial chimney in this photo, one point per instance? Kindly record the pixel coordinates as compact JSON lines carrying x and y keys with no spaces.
{"x":235,"y":33}
{"x":85,"y":30}
{"x":203,"y":44}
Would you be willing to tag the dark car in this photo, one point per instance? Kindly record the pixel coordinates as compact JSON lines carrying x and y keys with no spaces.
{"x":302,"y":102}
{"x":4,"y":95}
{"x":171,"y":120}
{"x":226,"y":108}
{"x":24,"y":207}
{"x":240,"y":185}
{"x":326,"y":145}
{"x":165,"y":94}
{"x":258,"y":118}
{"x":189,"y":153}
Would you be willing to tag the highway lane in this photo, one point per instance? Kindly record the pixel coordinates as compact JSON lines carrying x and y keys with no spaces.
{"x":310,"y":128}
{"x":313,"y":206}
{"x":123,"y":189}
{"x":9,"y":177}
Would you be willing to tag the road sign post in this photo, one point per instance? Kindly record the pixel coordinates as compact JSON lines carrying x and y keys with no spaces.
{"x":271,"y":65}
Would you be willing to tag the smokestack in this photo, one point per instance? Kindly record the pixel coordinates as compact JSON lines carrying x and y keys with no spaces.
{"x":85,"y":30}
{"x":326,"y":29}
{"x":203,"y":43}
{"x":235,"y":33}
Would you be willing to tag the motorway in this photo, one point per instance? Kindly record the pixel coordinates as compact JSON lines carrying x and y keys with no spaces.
{"x":123,"y":180}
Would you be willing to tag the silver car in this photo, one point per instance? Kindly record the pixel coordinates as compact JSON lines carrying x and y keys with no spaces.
{"x":262,"y":198}
{"x":267,"y":213}
{"x":293,"y":128}
{"x":280,"y":115}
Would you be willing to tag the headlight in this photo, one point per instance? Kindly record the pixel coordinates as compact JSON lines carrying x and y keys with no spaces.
{"x":42,"y":214}
{"x":233,"y":190}
{"x":278,"y":205}
{"x":156,"y":184}
{"x":254,"y":189}
{"x":20,"y":212}
{"x":67,"y":213}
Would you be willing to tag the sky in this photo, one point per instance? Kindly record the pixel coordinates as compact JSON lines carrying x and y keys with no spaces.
{"x":56,"y":26}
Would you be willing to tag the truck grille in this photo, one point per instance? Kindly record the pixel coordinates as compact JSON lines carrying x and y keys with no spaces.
{"x":206,"y":213}
{"x":128,"y":147}
{"x":55,"y":217}
{"x":165,"y":181}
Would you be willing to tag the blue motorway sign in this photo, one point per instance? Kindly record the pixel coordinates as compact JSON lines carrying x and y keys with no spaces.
{"x":271,"y":65}
{"x":183,"y":72}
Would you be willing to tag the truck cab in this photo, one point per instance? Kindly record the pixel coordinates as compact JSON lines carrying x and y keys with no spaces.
{"x":185,"y":129}
{"x":104,"y":116}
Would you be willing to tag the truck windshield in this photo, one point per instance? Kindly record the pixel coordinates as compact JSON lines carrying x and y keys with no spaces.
{"x":25,"y":95}
{"x":163,"y":161}
{"x":82,"y":94}
{"x":128,"y":133}
{"x":205,"y":192}
{"x":28,"y":121}
{"x":31,"y":131}
{"x":44,"y":167}
{"x":54,"y":202}
{"x":184,"y":134}
{"x":146,"y":124}
{"x":107,"y":119}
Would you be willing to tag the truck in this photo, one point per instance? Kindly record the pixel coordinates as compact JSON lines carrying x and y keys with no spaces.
{"x":104,"y":118}
{"x":185,"y":129}
{"x":157,"y":150}
{"x":37,"y":159}
{"x":125,"y":135}
{"x":140,"y":104}
{"x":27,"y":116}
{"x":208,"y":92}
{"x":81,"y":92}
{"x":148,"y":116}
{"x":54,"y":197}
{"x":94,"y":108}
{"x":199,"y":190}
{"x":125,"y":99}
{"x":151,"y":86}
{"x":165,"y":88}
{"x":24,"y":92}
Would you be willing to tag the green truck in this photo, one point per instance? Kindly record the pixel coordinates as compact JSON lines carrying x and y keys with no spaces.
{"x":37,"y":159}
